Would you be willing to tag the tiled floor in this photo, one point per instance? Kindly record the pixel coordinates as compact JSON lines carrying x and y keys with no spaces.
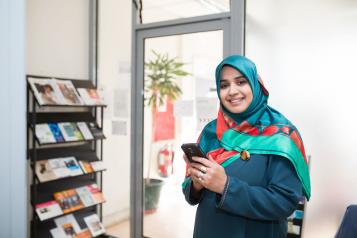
{"x":173,"y":219}
{"x":121,"y":230}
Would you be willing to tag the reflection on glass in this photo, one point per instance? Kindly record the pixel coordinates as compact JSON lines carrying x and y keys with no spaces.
{"x":182,"y":68}
{"x":161,"y":10}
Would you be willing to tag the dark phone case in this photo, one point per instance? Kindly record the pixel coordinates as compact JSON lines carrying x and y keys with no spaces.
{"x":192,"y":149}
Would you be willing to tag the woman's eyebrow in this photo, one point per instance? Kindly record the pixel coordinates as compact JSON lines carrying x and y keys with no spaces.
{"x":239,"y":77}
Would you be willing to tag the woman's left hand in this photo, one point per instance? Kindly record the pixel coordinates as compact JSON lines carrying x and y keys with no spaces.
{"x":212,"y":175}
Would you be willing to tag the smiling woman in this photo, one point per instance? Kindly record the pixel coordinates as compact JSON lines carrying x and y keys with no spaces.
{"x":254,"y":176}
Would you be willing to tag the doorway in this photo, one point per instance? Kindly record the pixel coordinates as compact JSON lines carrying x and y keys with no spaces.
{"x":158,"y":129}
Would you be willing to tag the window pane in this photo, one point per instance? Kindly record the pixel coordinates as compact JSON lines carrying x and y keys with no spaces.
{"x":173,"y":122}
{"x":161,"y":10}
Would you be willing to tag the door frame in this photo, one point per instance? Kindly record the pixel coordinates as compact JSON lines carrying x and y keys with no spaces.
{"x":233,"y":26}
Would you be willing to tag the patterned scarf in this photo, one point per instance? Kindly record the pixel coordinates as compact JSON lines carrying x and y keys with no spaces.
{"x":259,"y":130}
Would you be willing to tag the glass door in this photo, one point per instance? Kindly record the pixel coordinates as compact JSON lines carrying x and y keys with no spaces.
{"x":179,"y":82}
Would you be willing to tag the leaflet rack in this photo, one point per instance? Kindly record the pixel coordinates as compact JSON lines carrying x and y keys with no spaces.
{"x":84,"y":150}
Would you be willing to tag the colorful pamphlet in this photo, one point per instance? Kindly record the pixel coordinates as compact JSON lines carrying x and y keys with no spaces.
{"x":68,"y":200}
{"x":48,"y":210}
{"x":91,"y":96}
{"x":94,"y":225}
{"x":83,"y":127}
{"x":70,"y":131}
{"x":44,"y":134}
{"x":56,"y":132}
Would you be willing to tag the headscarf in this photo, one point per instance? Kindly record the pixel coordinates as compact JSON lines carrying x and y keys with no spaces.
{"x":260,"y":129}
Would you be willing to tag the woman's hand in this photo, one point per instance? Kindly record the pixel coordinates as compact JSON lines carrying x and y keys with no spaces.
{"x":196,"y":184}
{"x":209,"y":174}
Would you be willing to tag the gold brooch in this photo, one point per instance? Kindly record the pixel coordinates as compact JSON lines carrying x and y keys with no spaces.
{"x":244,"y":155}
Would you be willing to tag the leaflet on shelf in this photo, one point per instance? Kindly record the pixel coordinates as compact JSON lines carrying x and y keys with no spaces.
{"x":45,"y":91}
{"x":48,"y":210}
{"x":97,"y":195}
{"x":97,"y":165}
{"x":91,"y":96}
{"x":68,"y":224}
{"x":56,"y":132}
{"x":70,"y":131}
{"x":86,"y":167}
{"x":68,"y":200}
{"x":94,"y":225}
{"x":44,"y":134}
{"x":86,"y":196}
{"x":68,"y":92}
{"x":44,"y":171}
{"x":85,"y":233}
{"x":58,"y":233}
{"x":83,"y":127}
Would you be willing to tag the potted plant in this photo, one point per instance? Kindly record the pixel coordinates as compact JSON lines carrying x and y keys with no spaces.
{"x":160,"y":87}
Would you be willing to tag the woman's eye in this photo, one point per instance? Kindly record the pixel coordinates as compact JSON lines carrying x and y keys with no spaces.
{"x":223,"y":85}
{"x":241,"y":82}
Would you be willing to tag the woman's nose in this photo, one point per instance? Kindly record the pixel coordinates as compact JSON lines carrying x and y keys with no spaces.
{"x":233,"y":89}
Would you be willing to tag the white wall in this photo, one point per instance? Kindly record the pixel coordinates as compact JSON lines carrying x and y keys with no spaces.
{"x":306,"y":53}
{"x":58,"y":45}
{"x":58,"y":38}
{"x":114,"y":58}
{"x":13,"y":119}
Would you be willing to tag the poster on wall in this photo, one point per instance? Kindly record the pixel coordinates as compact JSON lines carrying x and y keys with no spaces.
{"x":164,"y":123}
{"x":207,"y":109}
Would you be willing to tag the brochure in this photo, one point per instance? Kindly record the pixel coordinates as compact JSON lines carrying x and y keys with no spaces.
{"x":84,"y":234}
{"x":44,"y":91}
{"x":58,"y":233}
{"x":72,"y":165}
{"x":83,"y":127}
{"x":86,"y":167}
{"x":68,"y":200}
{"x":59,"y":168}
{"x":97,"y":165}
{"x":91,"y":96}
{"x":85,"y":196}
{"x":44,"y":134}
{"x":68,"y":224}
{"x":56,"y":132}
{"x":69,"y":92}
{"x":70,"y":131}
{"x":94,"y":225}
{"x":48,"y":210}
{"x":44,"y":171}
{"x":97,"y":195}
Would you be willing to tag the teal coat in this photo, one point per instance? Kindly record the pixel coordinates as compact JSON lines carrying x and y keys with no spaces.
{"x":259,"y":195}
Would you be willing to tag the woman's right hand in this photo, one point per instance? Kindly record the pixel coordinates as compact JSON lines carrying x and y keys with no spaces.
{"x":191,"y":171}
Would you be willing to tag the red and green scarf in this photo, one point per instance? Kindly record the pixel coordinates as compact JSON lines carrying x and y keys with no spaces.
{"x":259,"y":130}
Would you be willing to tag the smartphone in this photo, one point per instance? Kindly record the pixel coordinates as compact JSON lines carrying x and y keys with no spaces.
{"x":191,"y":150}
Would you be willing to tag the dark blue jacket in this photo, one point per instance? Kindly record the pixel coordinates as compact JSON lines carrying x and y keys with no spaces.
{"x":259,"y":195}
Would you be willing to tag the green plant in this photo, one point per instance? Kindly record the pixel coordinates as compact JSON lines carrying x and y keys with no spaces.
{"x":161,"y":75}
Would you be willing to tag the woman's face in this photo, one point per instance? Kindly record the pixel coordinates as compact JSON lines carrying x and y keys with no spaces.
{"x":235,"y":92}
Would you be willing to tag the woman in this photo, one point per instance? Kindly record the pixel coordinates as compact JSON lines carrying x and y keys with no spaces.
{"x":256,"y":171}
